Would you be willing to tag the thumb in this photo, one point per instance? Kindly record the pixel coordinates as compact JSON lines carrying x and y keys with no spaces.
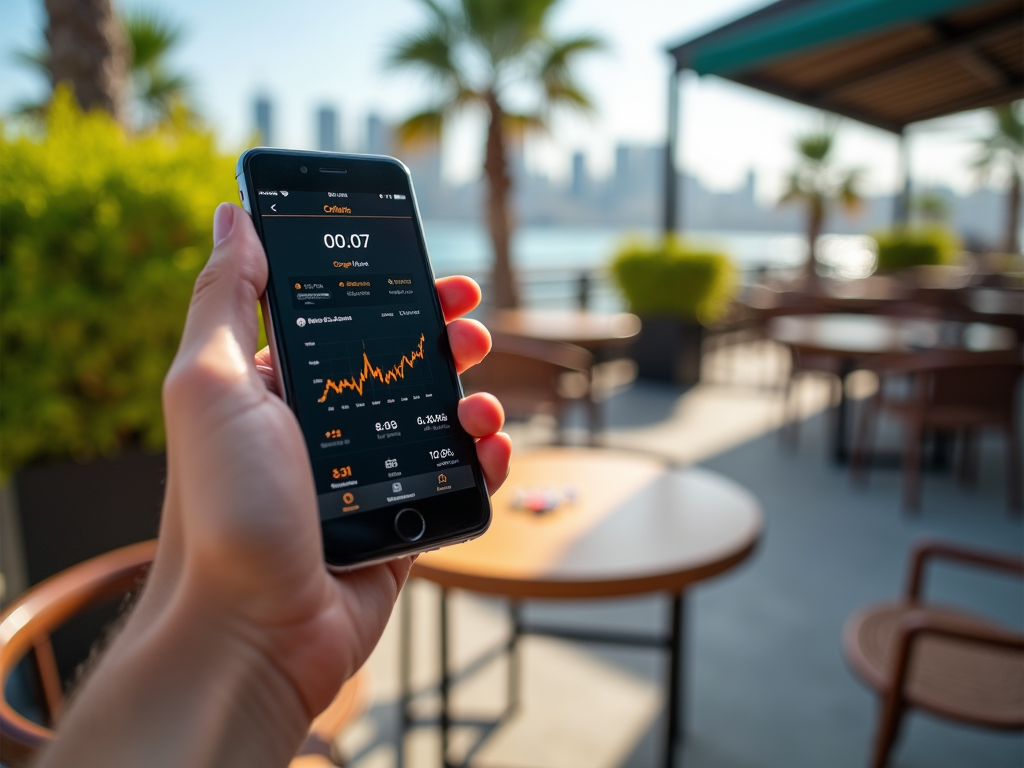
{"x":221,"y":331}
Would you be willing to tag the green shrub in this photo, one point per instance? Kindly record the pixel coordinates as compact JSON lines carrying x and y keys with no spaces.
{"x":669,"y":279}
{"x":103,"y":236}
{"x":917,"y":246}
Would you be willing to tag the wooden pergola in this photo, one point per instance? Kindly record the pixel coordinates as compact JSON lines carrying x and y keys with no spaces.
{"x":887,"y":63}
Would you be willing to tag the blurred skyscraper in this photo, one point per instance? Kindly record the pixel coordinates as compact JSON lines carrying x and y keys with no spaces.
{"x":378,"y":136}
{"x":622,"y":152}
{"x":327,"y":139}
{"x":264,"y":121}
{"x":579,"y":175}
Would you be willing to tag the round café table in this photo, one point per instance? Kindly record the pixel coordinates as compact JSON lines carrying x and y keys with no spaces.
{"x":594,"y":331}
{"x":852,"y":339}
{"x":629,"y":525}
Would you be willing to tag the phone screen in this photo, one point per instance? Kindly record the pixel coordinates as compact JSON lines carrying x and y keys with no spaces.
{"x":366,"y":362}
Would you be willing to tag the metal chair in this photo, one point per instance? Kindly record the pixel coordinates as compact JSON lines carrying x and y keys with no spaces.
{"x":946,"y":661}
{"x":28,"y":622}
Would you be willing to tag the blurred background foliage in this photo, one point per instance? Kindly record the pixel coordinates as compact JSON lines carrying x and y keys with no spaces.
{"x":668,"y":278}
{"x":104,"y":234}
{"x":915,"y":247}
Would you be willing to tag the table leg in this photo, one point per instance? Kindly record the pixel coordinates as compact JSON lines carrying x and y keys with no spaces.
{"x":515,"y":610}
{"x":676,"y":710}
{"x":405,"y":671}
{"x":840,"y":451}
{"x":445,"y":680}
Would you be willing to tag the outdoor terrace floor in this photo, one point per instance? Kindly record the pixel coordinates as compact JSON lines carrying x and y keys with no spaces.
{"x":767,"y":682}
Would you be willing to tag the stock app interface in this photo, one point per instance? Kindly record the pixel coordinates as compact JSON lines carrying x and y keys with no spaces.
{"x":369,"y":378}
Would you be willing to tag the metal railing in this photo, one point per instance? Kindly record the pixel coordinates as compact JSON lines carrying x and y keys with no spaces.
{"x":591,"y":289}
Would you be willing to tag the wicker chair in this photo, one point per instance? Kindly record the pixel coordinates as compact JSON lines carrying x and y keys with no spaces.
{"x":944,"y":660}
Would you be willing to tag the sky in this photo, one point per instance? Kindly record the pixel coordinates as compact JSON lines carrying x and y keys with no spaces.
{"x":304,"y":54}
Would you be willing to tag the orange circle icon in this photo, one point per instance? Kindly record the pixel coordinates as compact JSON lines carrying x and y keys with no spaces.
{"x":348,"y":498}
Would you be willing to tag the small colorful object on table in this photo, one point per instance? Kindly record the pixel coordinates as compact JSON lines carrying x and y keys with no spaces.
{"x":544,"y":500}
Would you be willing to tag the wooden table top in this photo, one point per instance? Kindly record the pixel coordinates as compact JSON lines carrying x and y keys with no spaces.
{"x":865,"y":335}
{"x":586,"y":329}
{"x":635,"y":526}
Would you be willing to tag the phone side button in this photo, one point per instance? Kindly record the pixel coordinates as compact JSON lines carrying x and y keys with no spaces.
{"x":409,"y":524}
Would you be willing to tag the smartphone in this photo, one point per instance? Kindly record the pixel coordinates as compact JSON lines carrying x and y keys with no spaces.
{"x":361,"y":353}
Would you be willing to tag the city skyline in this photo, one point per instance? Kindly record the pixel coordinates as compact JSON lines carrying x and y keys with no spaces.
{"x":629,"y":194}
{"x":335,"y":56}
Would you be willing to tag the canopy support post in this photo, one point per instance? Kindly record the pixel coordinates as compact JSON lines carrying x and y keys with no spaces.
{"x":670,"y":214}
{"x":901,"y":207}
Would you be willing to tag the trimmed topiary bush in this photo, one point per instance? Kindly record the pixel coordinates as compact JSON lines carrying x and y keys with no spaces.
{"x":914,"y":247}
{"x":103,"y":236}
{"x":668,"y":279}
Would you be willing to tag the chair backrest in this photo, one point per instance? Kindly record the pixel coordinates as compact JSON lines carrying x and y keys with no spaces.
{"x":526,"y":373}
{"x":983,"y":380}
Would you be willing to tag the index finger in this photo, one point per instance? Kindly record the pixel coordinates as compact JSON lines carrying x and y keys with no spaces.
{"x":458,"y":294}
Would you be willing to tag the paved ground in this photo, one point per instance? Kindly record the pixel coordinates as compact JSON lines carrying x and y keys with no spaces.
{"x":767,"y":682}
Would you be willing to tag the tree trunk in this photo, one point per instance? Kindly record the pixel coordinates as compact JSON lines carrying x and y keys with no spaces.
{"x":1010,"y":242}
{"x":90,"y":50}
{"x":503,"y":285}
{"x":815,"y":219}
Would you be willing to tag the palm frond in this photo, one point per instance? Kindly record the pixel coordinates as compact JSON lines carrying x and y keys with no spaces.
{"x":163,"y":93}
{"x":504,"y":29}
{"x":152,"y":36}
{"x":1010,"y":124}
{"x":562,"y":53}
{"x":1004,"y":146}
{"x":567,"y":95}
{"x":421,"y":129}
{"x":849,"y":190}
{"x":431,"y":52}
{"x":793,"y":190}
{"x":556,"y":75}
{"x":38,"y":61}
{"x":517,"y":124}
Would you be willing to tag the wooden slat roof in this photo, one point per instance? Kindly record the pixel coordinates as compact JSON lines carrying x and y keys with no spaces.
{"x":887,"y":63}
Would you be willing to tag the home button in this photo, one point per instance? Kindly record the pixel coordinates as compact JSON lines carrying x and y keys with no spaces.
{"x":409,"y":524}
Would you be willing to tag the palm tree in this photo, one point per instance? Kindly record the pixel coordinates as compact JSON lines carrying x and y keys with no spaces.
{"x":477,"y":52}
{"x":89,"y":50}
{"x":819,"y":186}
{"x":157,"y":92}
{"x":1004,"y":149}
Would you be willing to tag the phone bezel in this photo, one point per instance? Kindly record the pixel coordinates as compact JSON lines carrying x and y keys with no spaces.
{"x":366,"y":537}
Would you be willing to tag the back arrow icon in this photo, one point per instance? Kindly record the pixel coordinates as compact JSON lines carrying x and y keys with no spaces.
{"x":274,"y":207}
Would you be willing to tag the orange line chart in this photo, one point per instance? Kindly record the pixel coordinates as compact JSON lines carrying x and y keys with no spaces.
{"x":370,"y":371}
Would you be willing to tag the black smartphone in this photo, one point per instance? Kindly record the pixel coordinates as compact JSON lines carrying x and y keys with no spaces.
{"x":361,"y":353}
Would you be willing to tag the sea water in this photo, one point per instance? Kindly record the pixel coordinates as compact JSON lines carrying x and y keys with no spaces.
{"x":467,"y":248}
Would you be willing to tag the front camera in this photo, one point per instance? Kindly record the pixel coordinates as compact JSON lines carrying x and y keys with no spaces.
{"x":302,"y":168}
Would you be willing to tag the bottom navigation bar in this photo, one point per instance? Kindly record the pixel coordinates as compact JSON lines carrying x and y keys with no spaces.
{"x":405,"y":489}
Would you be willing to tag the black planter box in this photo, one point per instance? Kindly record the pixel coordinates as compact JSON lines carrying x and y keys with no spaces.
{"x":69,"y":512}
{"x":669,"y":349}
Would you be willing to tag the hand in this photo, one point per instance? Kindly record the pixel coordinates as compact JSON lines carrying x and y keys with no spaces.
{"x":240,"y":559}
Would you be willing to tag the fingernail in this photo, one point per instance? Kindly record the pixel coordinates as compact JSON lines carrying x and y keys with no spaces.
{"x":223,"y":221}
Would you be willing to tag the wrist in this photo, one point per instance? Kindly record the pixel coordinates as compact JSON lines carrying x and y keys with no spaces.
{"x":195,"y":690}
